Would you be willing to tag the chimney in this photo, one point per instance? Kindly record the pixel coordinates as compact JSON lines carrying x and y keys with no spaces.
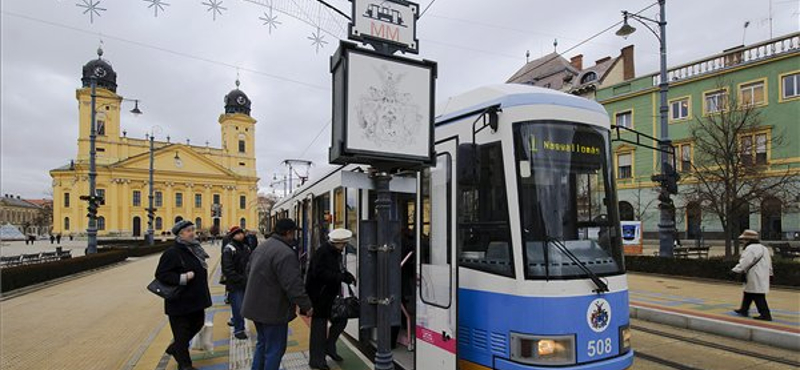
{"x":601,"y":60}
{"x":628,"y":70}
{"x":577,"y":61}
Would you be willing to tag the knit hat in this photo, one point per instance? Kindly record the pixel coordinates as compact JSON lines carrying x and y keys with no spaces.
{"x":180,"y":225}
{"x":749,"y":235}
{"x":234,"y":230}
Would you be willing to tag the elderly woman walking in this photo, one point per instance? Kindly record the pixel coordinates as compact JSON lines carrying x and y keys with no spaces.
{"x":756,"y":265}
{"x":184,"y":264}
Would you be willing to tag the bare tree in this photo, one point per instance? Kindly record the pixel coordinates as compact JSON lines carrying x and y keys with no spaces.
{"x":265,"y":203}
{"x":641,"y":207}
{"x":730,"y":169}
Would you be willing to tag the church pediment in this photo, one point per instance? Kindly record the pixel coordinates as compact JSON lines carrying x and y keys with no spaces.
{"x":176,"y":159}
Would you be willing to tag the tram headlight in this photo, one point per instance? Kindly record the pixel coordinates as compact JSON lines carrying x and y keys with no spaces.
{"x":543,"y":350}
{"x":624,"y":338}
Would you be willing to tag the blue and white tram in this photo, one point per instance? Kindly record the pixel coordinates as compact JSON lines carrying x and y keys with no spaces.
{"x":518,"y":249}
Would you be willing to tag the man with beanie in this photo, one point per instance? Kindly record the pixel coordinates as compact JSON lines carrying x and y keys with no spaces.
{"x":185,"y":264}
{"x":235,"y":256}
{"x":274,"y":289}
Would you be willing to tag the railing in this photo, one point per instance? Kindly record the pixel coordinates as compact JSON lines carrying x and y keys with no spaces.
{"x":733,"y":57}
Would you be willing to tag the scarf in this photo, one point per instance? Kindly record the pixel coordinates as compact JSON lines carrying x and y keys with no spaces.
{"x":196,"y":249}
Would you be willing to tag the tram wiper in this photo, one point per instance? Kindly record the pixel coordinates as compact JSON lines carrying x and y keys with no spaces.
{"x":601,"y":285}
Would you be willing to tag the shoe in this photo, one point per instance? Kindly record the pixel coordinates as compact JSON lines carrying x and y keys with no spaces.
{"x":169,"y":351}
{"x":741,"y":313}
{"x":763,"y":318}
{"x":240,"y":335}
{"x":230,"y":323}
{"x":335,"y":357}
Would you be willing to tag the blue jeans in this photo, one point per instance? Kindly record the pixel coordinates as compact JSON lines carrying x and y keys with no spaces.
{"x":270,"y":346}
{"x":237,"y":297}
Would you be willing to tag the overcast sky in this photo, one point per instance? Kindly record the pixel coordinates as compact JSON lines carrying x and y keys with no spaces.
{"x":181,"y":64}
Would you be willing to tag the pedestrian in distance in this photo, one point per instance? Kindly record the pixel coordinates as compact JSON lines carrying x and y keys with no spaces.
{"x":52,"y":238}
{"x":755,"y":265}
{"x":58,"y":238}
{"x":235,"y":256}
{"x":184,"y":264}
{"x":274,"y":290}
{"x":326,"y":274}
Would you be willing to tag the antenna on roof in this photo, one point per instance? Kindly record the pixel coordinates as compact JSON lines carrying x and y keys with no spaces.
{"x":527,"y":56}
{"x":555,"y":45}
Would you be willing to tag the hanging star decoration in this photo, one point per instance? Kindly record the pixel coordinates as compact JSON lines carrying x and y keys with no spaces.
{"x":215,"y":7}
{"x":317,"y":39}
{"x":270,"y":20}
{"x":92,"y":8}
{"x":156,"y":5}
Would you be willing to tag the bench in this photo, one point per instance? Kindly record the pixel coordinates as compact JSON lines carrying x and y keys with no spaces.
{"x":687,"y":252}
{"x":785,"y":250}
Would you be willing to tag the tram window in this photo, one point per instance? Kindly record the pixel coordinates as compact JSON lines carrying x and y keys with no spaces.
{"x":338,"y":208}
{"x":566,"y":200}
{"x":434,"y":249}
{"x":484,"y":235}
{"x":352,"y":217}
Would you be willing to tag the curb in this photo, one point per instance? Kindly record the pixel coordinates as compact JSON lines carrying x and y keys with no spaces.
{"x":777,"y":338}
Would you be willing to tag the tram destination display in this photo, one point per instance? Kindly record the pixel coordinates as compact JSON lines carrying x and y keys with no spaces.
{"x":382,"y":108}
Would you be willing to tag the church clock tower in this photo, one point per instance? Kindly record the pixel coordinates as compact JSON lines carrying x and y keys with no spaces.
{"x":107,"y":106}
{"x":238,"y":133}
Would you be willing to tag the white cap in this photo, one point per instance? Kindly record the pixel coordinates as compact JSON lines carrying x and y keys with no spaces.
{"x":340,"y":236}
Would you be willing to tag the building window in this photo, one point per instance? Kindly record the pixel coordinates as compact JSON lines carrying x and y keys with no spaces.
{"x":753,"y":146}
{"x":242,"y":202}
{"x":625,"y":119}
{"x":685,"y":163}
{"x":589,"y":77}
{"x":216,"y":198}
{"x":137,"y":198}
{"x":102,"y":194}
{"x":791,"y":86}
{"x":101,"y":127}
{"x":626,"y":212}
{"x":198,"y":200}
{"x":242,"y":223}
{"x":66,"y":223}
{"x":715,"y":101}
{"x":752,"y":94}
{"x":101,"y":223}
{"x":625,"y":166}
{"x":241,"y":146}
{"x":679,"y":109}
{"x":178,"y":199}
{"x":159,"y":223}
{"x":198,"y":223}
{"x":66,"y":200}
{"x":159,"y":199}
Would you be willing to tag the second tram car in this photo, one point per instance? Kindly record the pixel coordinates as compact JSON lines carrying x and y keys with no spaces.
{"x":513,"y":243}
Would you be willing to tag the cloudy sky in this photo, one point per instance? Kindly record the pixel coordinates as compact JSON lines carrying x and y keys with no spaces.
{"x":182,"y":62}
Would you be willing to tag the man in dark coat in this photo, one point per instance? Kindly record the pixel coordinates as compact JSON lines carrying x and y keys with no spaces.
{"x":324,"y":283}
{"x":185,"y":264}
{"x":235,"y":256}
{"x":274,"y":289}
{"x":252,"y":239}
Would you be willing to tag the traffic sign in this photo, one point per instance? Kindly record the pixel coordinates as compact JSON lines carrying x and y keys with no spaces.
{"x":390,"y":22}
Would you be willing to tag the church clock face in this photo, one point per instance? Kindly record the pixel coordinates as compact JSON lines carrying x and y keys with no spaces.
{"x":241,"y":100}
{"x":178,"y":163}
{"x":100,"y":72}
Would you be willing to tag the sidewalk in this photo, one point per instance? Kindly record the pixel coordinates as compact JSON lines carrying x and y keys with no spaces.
{"x":239,"y":356}
{"x":708,"y":306}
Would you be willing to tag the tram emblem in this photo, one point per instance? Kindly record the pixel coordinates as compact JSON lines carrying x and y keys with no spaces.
{"x":598,"y":315}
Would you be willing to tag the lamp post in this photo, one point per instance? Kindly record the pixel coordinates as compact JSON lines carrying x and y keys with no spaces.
{"x":92,"y":198}
{"x":666,"y":225}
{"x":151,"y":211}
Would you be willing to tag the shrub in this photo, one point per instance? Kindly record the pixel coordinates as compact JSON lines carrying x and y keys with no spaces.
{"x":22,"y":276}
{"x":786,"y":273}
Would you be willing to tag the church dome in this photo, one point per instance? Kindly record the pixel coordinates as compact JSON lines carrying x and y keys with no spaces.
{"x":237,"y":101}
{"x":102,"y":71}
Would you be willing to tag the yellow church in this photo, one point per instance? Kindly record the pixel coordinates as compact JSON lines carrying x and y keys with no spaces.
{"x":189,"y":181}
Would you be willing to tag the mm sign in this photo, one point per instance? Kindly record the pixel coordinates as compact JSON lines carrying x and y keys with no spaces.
{"x":392,"y":22}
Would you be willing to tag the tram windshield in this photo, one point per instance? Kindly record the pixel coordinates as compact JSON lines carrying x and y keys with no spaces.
{"x":566,"y":195}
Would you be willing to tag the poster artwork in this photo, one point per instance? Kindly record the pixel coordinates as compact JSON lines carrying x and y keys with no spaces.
{"x":388,"y":108}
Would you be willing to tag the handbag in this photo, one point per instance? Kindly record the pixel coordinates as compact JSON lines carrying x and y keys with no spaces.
{"x":166,"y":291}
{"x":346,"y":307}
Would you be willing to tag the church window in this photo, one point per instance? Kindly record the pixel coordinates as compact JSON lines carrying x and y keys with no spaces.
{"x":198,"y":200}
{"x":101,"y":223}
{"x":137,"y":198}
{"x":66,"y":223}
{"x":243,"y":223}
{"x":242,"y":202}
{"x":241,"y":146}
{"x":178,"y":199}
{"x":66,"y":200}
{"x":159,"y":223}
{"x":101,"y":127}
{"x":159,"y":199}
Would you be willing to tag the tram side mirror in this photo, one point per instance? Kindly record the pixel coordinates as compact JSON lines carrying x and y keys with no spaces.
{"x":469,"y":165}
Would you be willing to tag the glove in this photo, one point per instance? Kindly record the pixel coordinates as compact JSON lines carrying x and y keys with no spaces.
{"x":348,"y":278}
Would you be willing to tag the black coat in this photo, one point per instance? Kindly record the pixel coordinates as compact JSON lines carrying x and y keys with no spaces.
{"x":195,"y":296}
{"x":235,"y":256}
{"x":251,"y":240}
{"x":324,"y":280}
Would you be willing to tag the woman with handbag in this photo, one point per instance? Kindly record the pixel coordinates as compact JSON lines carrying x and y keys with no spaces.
{"x":326,"y":274}
{"x":755,"y":267}
{"x":184,"y":265}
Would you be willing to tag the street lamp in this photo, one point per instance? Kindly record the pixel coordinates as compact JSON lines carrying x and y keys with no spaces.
{"x":667,"y":178}
{"x":92,"y":198}
{"x":151,"y":211}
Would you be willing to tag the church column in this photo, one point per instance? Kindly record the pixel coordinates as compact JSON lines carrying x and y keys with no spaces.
{"x":206,"y":210}
{"x":125,"y":199}
{"x":189,"y":202}
{"x":168,"y":206}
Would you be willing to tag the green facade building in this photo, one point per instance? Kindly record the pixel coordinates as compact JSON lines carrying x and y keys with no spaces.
{"x":766,"y":75}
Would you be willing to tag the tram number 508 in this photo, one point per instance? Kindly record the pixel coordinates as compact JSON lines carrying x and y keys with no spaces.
{"x":599,"y":347}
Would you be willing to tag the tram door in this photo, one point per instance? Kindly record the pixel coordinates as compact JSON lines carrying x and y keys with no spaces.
{"x":437,"y":280}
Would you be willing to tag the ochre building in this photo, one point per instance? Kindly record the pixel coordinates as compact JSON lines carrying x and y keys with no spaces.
{"x":189,"y":181}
